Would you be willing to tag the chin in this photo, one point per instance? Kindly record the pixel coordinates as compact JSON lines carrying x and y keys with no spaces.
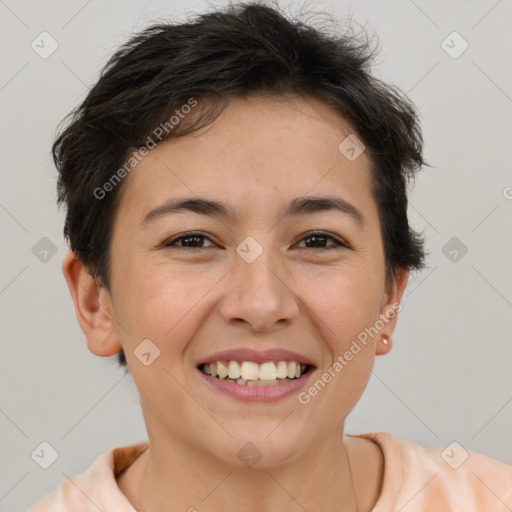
{"x":260,"y":446}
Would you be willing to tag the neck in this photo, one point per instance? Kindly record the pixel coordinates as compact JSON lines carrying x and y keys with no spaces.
{"x":174,"y":476}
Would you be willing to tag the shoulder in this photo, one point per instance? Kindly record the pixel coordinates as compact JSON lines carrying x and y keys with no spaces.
{"x":94,"y":487}
{"x":461,"y":474}
{"x":443,"y":476}
{"x":65,"y":497}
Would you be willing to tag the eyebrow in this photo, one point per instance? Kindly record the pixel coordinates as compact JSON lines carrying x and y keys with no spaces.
{"x":209,"y":207}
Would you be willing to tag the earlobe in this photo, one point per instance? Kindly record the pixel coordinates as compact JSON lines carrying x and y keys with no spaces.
{"x":93,"y":308}
{"x":389,"y":311}
{"x":384,"y":344}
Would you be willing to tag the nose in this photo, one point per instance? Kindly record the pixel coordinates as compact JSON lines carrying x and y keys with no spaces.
{"x":260,"y":295}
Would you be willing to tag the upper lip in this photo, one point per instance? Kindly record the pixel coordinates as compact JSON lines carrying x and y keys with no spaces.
{"x":256,"y":356}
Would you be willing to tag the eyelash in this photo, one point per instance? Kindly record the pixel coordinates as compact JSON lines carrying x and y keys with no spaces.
{"x":198,"y":234}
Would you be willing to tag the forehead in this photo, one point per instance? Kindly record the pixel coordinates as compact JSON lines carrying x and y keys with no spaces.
{"x":259,"y":151}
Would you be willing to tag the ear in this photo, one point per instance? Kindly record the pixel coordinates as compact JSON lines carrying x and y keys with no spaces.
{"x":93,"y":308}
{"x":390,"y":307}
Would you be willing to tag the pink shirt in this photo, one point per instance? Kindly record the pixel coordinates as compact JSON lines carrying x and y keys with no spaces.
{"x":415,"y":479}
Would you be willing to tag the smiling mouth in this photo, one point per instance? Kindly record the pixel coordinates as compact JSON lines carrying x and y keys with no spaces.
{"x":249,"y":373}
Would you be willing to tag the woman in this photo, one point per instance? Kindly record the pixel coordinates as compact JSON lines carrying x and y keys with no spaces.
{"x":237,"y":216}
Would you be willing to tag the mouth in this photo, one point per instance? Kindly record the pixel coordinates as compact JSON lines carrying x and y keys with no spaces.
{"x":251,"y":373}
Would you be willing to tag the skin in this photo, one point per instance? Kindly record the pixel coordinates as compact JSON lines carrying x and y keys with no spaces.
{"x":256,"y":157}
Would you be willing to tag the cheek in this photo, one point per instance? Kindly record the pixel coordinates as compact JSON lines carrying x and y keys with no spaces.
{"x":344,"y":305}
{"x":167,"y":304}
{"x":345,"y":300}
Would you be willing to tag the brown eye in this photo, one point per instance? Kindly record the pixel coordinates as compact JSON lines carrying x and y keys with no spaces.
{"x":189,"y":241}
{"x":318,"y":240}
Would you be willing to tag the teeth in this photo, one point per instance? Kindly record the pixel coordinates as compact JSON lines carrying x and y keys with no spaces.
{"x":259,"y":383}
{"x":282,"y":370}
{"x":213,"y":369}
{"x":268,"y":371}
{"x":233,"y":370}
{"x":248,"y":372}
{"x":222,"y":369}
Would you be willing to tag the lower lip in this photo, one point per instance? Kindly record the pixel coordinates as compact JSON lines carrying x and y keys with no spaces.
{"x":257,"y":393}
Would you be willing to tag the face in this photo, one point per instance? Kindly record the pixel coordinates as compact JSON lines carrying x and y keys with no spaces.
{"x":254,"y":277}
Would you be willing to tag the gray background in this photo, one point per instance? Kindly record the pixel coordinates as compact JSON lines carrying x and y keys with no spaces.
{"x":448,"y":377}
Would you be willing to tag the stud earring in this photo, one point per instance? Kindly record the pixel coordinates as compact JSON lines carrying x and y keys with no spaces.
{"x":386,"y":339}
